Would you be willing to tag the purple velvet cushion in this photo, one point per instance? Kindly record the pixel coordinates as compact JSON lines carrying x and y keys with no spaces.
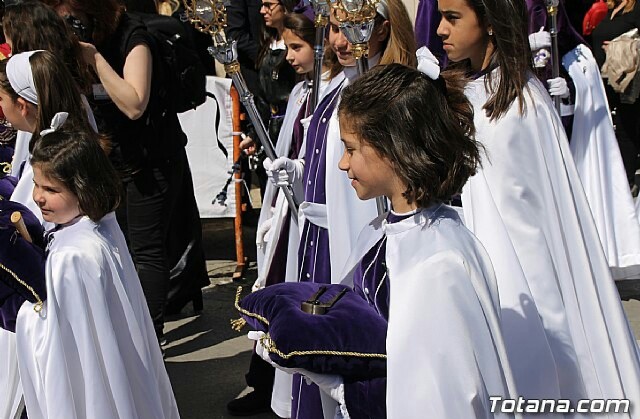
{"x":21,"y":262}
{"x":348,"y":340}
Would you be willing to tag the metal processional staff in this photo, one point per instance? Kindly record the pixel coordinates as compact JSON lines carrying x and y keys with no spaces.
{"x":210,"y":17}
{"x":357,"y":18}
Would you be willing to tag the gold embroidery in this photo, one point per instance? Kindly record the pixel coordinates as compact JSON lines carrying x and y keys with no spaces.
{"x":270,"y":345}
{"x":238,"y":324}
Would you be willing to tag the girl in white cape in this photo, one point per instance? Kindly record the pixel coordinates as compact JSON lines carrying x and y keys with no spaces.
{"x":34,"y":85}
{"x":92,"y":351}
{"x":408,"y":136}
{"x":278,"y":237}
{"x":330,"y":214}
{"x":563,"y":322}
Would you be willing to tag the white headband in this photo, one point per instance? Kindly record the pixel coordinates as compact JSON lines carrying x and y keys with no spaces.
{"x":56,"y":122}
{"x":20,"y":76}
{"x":428,"y":63}
{"x":383,"y":9}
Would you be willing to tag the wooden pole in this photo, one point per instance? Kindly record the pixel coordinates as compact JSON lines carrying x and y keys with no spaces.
{"x":237,"y":128}
{"x":18,"y":222}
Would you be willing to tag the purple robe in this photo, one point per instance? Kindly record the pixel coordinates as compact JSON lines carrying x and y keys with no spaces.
{"x":427,"y":21}
{"x":568,"y":39}
{"x":313,"y":253}
{"x":366,"y":399}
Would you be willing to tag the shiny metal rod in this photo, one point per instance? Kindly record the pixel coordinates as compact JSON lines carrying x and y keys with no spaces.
{"x":318,"y":54}
{"x":552,"y":11}
{"x":246,"y":97}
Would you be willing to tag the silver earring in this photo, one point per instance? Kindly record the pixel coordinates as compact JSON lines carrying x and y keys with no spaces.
{"x":490,"y":32}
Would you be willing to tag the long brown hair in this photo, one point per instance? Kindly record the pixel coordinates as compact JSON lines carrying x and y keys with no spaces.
{"x":32,"y":25}
{"x":401,"y":44}
{"x":105,"y":15}
{"x":56,"y":92}
{"x":512,"y":54}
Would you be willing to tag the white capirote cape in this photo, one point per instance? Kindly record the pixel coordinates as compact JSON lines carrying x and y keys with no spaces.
{"x":93,"y":352}
{"x":527,"y":207}
{"x":595,"y":151}
{"x":278,"y":213}
{"x":445,"y":351}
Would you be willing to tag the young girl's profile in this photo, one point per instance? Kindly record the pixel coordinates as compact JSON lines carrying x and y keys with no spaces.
{"x":408,"y":136}
{"x":92,"y":351}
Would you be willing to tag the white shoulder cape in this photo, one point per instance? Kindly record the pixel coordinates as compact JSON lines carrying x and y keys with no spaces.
{"x":527,"y":206}
{"x":595,"y":151}
{"x":93,"y":352}
{"x":446,"y":354}
{"x":23,"y":193}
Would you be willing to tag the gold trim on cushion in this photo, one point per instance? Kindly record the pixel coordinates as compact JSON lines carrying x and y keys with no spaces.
{"x":270,"y":345}
{"x":38,"y":305}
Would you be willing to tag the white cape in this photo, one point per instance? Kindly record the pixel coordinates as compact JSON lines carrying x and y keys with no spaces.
{"x":527,"y":206}
{"x":23,"y":193}
{"x":595,"y":151}
{"x":446,"y":354}
{"x":93,"y":352}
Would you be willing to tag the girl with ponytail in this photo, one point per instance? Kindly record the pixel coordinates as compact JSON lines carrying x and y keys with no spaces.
{"x":527,"y":206}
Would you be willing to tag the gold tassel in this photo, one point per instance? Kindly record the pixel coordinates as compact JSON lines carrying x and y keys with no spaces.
{"x":238,"y":324}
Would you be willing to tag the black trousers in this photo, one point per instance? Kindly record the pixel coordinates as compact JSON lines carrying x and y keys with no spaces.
{"x":150,"y":198}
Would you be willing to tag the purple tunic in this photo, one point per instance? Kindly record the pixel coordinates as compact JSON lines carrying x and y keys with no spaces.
{"x":369,"y":277}
{"x":427,"y":21}
{"x":568,"y":39}
{"x":313,"y":253}
{"x":366,"y":399}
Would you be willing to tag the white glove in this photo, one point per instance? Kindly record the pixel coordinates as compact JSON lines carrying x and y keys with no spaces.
{"x":263,"y":235}
{"x":333,"y":385}
{"x":263,"y":352}
{"x":540,"y":39}
{"x":258,"y":284}
{"x":558,"y":87}
{"x":285,"y":172}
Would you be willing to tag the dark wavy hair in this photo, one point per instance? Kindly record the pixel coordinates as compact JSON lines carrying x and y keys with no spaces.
{"x":32,"y":25}
{"x":76,"y":159}
{"x":512,"y":54}
{"x":104,"y":14}
{"x":424,"y":127}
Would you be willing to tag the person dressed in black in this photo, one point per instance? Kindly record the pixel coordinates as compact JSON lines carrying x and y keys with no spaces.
{"x":148,"y":142}
{"x":270,"y":79}
{"x":623,"y":16}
